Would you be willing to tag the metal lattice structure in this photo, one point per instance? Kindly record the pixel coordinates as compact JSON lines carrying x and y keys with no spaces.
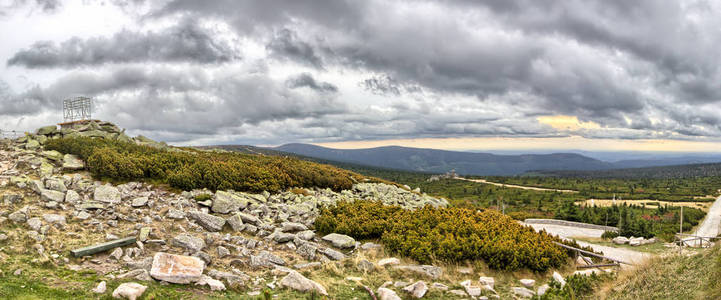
{"x":77,"y":108}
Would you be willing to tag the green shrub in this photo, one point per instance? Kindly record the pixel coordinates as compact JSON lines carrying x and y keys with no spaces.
{"x":192,"y":169}
{"x":203,"y":197}
{"x":449,"y":234}
{"x":577,"y":287}
{"x":609,"y":235}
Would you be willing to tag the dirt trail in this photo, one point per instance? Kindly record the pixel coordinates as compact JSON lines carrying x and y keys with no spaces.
{"x":516,"y":186}
{"x":710,"y":225}
{"x":568,"y":232}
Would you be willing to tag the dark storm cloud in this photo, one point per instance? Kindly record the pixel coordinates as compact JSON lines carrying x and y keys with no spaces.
{"x":185,"y":42}
{"x":286,"y":45}
{"x":307,"y":80}
{"x":639,"y":69}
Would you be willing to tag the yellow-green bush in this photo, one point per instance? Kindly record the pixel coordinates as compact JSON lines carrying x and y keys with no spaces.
{"x":194,"y":169}
{"x":449,"y":234}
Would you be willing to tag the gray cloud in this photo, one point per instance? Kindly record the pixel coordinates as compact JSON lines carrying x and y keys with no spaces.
{"x":185,"y":42}
{"x":307,"y":80}
{"x":639,"y":69}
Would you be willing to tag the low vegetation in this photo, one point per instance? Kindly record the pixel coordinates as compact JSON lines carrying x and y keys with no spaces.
{"x":670,"y":277}
{"x":666,"y":189}
{"x":448,"y":234}
{"x":193,"y":169}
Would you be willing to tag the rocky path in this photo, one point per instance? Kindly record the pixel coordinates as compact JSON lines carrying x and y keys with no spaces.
{"x":516,"y":186}
{"x":569,"y":232}
{"x":710,"y":225}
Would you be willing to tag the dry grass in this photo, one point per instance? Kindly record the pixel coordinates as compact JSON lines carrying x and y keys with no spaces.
{"x":649,"y":203}
{"x":688,"y":276}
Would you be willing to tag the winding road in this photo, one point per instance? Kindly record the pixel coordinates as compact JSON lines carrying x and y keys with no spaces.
{"x":710,"y":225}
{"x":516,"y":186}
{"x":569,"y":232}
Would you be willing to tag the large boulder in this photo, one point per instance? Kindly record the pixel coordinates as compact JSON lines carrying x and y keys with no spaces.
{"x":208,"y":221}
{"x":176,"y":268}
{"x":47,"y":130}
{"x":72,"y":162}
{"x":226,"y":202}
{"x":427,"y":270}
{"x":340,"y":240}
{"x":298,"y":282}
{"x":189,"y":242}
{"x":620,"y":240}
{"x":107,"y":194}
{"x":48,"y":195}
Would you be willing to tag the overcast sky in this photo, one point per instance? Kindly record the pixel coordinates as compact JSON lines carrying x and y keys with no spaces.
{"x":326,"y":71}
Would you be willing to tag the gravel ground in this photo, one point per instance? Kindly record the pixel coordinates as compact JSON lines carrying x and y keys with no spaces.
{"x":568,"y":232}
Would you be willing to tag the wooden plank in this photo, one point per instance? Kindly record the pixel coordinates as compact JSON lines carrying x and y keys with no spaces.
{"x":592,"y":254}
{"x":598,"y":266}
{"x":90,"y":250}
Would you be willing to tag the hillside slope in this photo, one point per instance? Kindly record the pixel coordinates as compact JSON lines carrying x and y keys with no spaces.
{"x":441,"y":161}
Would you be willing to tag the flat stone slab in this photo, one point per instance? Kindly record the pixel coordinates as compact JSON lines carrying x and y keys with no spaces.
{"x":176,"y":268}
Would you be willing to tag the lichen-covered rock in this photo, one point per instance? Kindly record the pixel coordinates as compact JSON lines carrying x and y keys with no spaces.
{"x":72,"y":162}
{"x":340,"y":240}
{"x":189,"y":242}
{"x":208,"y":221}
{"x":107,"y":194}
{"x":176,"y":268}
{"x":298,"y":282}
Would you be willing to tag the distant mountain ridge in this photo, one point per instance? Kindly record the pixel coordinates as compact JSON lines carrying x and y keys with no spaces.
{"x":440,"y":161}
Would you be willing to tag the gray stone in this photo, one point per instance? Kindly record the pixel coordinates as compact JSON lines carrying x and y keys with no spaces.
{"x":215,"y":285}
{"x":427,"y":270}
{"x":107,"y":194}
{"x":72,"y":162}
{"x":417,"y":290}
{"x":388,"y":261}
{"x":248,"y":218}
{"x":101,"y":288}
{"x":11,"y":198}
{"x":48,"y":196}
{"x":233,"y":280}
{"x":189,"y":242}
{"x":72,"y":196}
{"x":333,"y":254}
{"x":306,"y":235}
{"x":309,"y":265}
{"x":387,"y":294}
{"x":129,"y":290}
{"x":236,"y":222}
{"x":176,"y":268}
{"x":292,"y":227}
{"x":140,"y":201}
{"x":298,"y":282}
{"x":175,"y":214}
{"x":282,"y":237}
{"x":47,"y":130}
{"x":223,"y":252}
{"x":208,"y":221}
{"x":543,"y":289}
{"x":489,"y":281}
{"x":529,"y":283}
{"x":620,"y":240}
{"x":307,"y":251}
{"x":340,"y":240}
{"x":471,"y":289}
{"x":55,"y":185}
{"x":365,"y":266}
{"x":18,"y":216}
{"x":371,"y":246}
{"x":226,"y":202}
{"x":522,"y":292}
{"x":35,"y":223}
{"x":54,"y":219}
{"x":559,"y":278}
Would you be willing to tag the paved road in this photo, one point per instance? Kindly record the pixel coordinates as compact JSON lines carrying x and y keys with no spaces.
{"x":516,"y":186}
{"x":569,"y":232}
{"x":711,"y":223}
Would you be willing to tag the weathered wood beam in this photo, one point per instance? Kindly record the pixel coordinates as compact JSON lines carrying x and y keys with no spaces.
{"x":591,"y":253}
{"x":90,"y":250}
{"x":598,"y":266}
